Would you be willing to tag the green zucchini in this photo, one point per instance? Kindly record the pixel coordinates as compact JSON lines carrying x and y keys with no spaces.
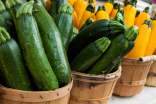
{"x":90,"y":54}
{"x":6,"y":20}
{"x":113,"y":64}
{"x":53,"y":45}
{"x":13,"y":6}
{"x":119,"y":17}
{"x":54,"y":10}
{"x":11,"y":63}
{"x":119,"y":48}
{"x":88,"y":22}
{"x":73,"y":33}
{"x":34,"y":54}
{"x":132,"y":30}
{"x":96,"y":30}
{"x":65,"y":22}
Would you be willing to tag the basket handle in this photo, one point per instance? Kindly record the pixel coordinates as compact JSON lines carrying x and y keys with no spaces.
{"x":148,"y":58}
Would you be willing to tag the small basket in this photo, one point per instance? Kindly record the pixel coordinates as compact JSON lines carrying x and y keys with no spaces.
{"x":151,"y":79}
{"x":89,"y":89}
{"x":12,"y":96}
{"x":133,"y":78}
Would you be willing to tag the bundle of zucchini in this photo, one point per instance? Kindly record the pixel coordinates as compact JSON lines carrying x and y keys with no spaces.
{"x":100,"y":46}
{"x":39,"y":62}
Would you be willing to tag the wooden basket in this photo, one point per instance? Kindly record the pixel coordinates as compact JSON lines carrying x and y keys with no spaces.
{"x":151,"y":79}
{"x":12,"y":96}
{"x":133,"y":78}
{"x":89,"y":89}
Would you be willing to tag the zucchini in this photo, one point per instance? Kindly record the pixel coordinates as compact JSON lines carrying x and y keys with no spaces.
{"x":132,"y":30}
{"x":6,"y":20}
{"x":119,"y":17}
{"x":12,"y":64}
{"x":13,"y":6}
{"x":34,"y":54}
{"x":54,"y":10}
{"x":119,"y":44}
{"x":118,"y":48}
{"x":88,"y":22}
{"x":73,"y":33}
{"x":113,"y":64}
{"x":53,"y":45}
{"x":90,"y":54}
{"x":65,"y":22}
{"x":93,"y":32}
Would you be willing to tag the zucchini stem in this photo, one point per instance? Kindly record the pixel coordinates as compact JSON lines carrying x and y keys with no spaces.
{"x":11,"y":3}
{"x":66,"y":8}
{"x":26,"y":8}
{"x":2,"y":7}
{"x":4,"y":35}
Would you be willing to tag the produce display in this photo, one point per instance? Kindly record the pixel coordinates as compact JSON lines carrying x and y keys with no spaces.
{"x":41,"y":42}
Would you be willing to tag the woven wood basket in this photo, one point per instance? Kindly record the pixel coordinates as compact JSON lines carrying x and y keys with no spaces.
{"x":12,"y":96}
{"x":89,"y":89}
{"x":133,"y":78}
{"x":151,"y":79}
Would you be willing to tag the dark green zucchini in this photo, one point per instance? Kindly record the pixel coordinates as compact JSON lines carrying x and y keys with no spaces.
{"x":96,"y":30}
{"x":90,"y":54}
{"x":73,"y":33}
{"x":65,"y":22}
{"x":113,"y":64}
{"x":119,"y":48}
{"x":88,"y":22}
{"x":53,"y":45}
{"x":11,"y":63}
{"x":34,"y":54}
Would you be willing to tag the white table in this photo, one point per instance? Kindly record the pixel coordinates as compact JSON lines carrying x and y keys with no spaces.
{"x":148,"y":96}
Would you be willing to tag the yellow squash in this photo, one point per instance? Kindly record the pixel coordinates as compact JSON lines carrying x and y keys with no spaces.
{"x":109,"y":6}
{"x":115,"y":10}
{"x":130,"y":13}
{"x":101,"y":13}
{"x":142,"y":17}
{"x":89,"y":12}
{"x":75,"y":20}
{"x":80,"y":7}
{"x":72,"y":2}
{"x":141,"y":41}
{"x":152,"y":41}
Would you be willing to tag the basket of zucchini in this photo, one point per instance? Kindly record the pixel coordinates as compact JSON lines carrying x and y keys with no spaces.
{"x":33,"y":62}
{"x":96,"y":52}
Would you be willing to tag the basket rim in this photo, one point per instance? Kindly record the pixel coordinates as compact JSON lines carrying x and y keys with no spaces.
{"x":34,"y":96}
{"x":115,"y":74}
{"x":36,"y":92}
{"x":135,"y":60}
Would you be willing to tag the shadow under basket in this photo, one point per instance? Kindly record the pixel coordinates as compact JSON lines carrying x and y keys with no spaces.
{"x":12,"y":96}
{"x":151,"y":79}
{"x":133,"y":78}
{"x":89,"y":89}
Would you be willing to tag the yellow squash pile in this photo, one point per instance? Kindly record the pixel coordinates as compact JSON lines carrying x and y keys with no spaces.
{"x":83,"y":10}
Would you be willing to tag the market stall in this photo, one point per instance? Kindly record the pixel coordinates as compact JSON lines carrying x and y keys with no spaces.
{"x":77,"y":51}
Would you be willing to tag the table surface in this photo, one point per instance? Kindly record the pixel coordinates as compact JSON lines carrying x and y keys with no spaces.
{"x":147,"y":96}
